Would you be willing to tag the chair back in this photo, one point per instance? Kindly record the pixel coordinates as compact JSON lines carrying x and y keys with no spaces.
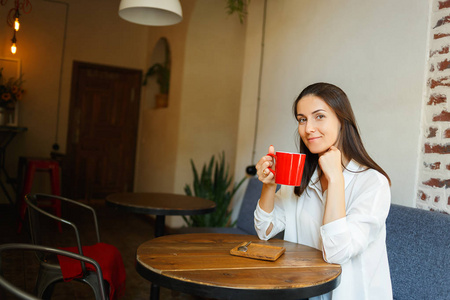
{"x":37,"y":217}
{"x":21,"y":294}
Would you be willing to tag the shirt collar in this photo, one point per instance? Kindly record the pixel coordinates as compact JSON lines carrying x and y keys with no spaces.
{"x":350,"y":171}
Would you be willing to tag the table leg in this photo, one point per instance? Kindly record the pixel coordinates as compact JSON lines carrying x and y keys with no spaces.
{"x":3,"y":144}
{"x":159,"y":231}
{"x":159,"y":226}
{"x":5,"y":191}
{"x":154,"y":292}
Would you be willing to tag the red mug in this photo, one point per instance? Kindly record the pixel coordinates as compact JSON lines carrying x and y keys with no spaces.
{"x":288,"y":167}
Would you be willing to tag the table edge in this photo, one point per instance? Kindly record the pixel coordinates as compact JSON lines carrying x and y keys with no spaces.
{"x":218,"y":292}
{"x":159,"y":211}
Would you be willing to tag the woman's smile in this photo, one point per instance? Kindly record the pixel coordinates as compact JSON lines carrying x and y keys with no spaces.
{"x":312,"y":139}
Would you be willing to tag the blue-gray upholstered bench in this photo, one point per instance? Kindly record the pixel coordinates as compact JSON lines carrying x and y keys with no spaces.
{"x":418,"y":245}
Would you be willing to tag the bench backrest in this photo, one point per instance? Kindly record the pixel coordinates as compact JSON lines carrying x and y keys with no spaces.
{"x":252,"y":194}
{"x":245,"y":219}
{"x":418,"y":245}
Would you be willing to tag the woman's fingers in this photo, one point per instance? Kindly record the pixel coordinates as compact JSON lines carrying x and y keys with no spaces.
{"x":263,"y":165}
{"x":331,"y":162}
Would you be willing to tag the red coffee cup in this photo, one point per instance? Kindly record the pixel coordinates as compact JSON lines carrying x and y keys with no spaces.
{"x":288,"y":167}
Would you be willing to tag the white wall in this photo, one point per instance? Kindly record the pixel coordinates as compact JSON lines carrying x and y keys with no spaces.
{"x":158,"y":128}
{"x":203,"y":113}
{"x":211,"y":89}
{"x":374,"y":50}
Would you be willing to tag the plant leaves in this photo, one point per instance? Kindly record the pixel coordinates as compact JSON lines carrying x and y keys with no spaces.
{"x":214,"y":183}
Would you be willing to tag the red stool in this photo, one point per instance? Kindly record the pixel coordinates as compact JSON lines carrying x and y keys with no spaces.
{"x":39,"y":165}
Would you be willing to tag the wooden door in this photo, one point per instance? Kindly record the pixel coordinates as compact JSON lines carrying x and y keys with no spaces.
{"x":103,"y":122}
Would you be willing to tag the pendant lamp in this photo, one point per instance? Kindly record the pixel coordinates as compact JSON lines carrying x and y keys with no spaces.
{"x":151,"y":12}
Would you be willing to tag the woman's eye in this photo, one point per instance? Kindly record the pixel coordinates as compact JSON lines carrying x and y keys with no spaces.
{"x":320,"y":117}
{"x":301,"y":120}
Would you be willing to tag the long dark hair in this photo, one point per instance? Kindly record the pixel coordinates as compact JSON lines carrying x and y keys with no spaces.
{"x":350,"y":142}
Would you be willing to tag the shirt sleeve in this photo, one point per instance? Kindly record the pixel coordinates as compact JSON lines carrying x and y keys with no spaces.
{"x":366,"y":212}
{"x":276,"y":217}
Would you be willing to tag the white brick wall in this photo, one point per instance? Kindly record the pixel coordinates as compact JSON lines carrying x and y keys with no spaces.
{"x":434,"y":170}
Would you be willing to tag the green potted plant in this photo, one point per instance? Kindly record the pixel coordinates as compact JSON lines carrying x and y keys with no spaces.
{"x":162,"y":73}
{"x":214,"y":183}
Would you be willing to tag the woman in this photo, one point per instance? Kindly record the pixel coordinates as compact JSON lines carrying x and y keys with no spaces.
{"x":343,"y":200}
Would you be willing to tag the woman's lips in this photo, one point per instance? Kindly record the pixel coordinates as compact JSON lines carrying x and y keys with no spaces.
{"x":312,"y":139}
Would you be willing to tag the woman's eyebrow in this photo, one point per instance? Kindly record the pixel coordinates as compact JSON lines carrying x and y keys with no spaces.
{"x":314,"y":112}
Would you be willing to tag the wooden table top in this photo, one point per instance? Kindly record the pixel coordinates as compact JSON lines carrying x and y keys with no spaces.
{"x":201,"y":264}
{"x":161,"y":204}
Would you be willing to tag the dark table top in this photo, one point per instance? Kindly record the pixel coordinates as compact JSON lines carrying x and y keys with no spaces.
{"x":201,"y":264}
{"x":13,"y":128}
{"x":161,"y":203}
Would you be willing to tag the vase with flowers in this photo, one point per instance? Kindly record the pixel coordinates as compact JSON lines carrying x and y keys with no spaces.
{"x":11,"y":92}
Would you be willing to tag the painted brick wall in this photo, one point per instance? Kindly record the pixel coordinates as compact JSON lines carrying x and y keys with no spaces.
{"x":434,"y":170}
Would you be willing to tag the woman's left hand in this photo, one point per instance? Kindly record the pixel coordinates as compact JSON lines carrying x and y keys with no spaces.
{"x":331,"y":163}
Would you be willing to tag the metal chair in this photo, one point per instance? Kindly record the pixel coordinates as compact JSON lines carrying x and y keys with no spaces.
{"x":21,"y":294}
{"x":50,"y":271}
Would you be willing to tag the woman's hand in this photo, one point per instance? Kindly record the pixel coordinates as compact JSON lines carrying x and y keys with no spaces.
{"x":331,"y":164}
{"x":266,"y":202}
{"x":262,"y":167}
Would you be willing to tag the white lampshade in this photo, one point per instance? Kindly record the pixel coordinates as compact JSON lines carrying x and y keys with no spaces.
{"x":151,"y":12}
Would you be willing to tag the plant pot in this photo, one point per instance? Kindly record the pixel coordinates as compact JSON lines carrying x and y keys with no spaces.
{"x":162,"y":100}
{"x":3,"y":116}
{"x":9,"y":116}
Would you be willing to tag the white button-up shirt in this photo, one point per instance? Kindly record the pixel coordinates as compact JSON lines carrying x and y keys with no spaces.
{"x":357,"y":242}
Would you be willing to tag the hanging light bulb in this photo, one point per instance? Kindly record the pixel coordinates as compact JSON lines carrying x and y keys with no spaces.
{"x":14,"y":47}
{"x":16,"y":20}
{"x":16,"y":24}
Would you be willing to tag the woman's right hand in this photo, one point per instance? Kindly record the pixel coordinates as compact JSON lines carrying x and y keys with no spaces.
{"x":262,"y":167}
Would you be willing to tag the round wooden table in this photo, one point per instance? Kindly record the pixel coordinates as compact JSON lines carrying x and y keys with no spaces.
{"x":201,"y":264}
{"x":161,"y":205}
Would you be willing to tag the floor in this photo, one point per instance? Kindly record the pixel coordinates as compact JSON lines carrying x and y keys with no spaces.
{"x":126,"y":231}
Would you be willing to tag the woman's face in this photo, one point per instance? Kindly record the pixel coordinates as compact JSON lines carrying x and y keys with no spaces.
{"x":318,"y":124}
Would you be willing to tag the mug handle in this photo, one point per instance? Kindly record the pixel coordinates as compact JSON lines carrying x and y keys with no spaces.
{"x":275,"y":157}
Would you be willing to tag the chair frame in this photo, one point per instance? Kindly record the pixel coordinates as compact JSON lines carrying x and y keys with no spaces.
{"x":51,"y":273}
{"x":36,"y":248}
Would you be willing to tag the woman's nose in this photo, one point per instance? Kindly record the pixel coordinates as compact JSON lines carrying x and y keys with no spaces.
{"x":310,"y":127}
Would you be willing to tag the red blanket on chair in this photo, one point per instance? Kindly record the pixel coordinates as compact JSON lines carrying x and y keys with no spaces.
{"x":109,"y":259}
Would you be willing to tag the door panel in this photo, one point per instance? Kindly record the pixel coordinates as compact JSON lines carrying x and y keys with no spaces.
{"x":102,"y":135}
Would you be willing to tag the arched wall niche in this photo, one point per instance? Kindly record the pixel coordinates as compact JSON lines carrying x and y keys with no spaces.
{"x":157,"y":76}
